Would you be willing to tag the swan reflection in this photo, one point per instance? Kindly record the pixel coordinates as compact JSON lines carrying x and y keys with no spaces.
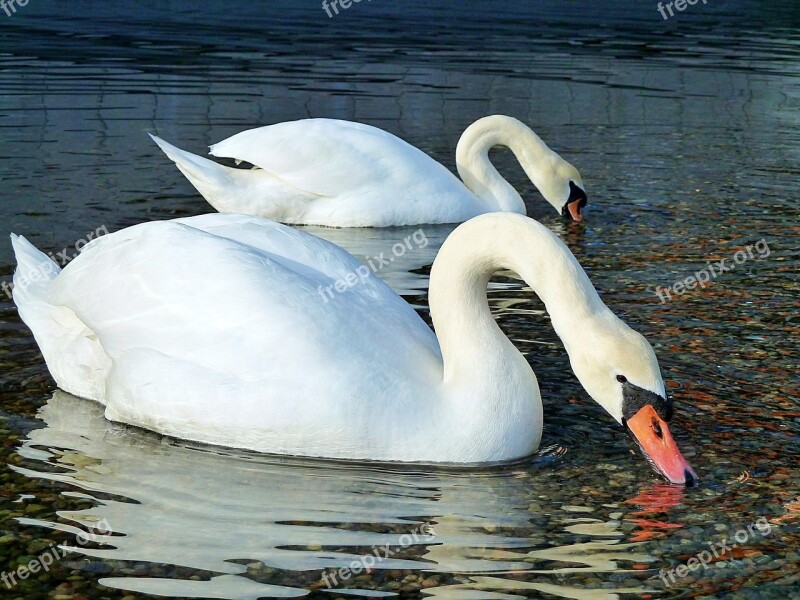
{"x":256,"y":525}
{"x":401,"y":256}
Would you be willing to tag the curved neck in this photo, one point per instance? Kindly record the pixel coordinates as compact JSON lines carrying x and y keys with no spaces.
{"x":479,"y":174}
{"x":472,"y":344}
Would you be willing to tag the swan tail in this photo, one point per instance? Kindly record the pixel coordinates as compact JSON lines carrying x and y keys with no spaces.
{"x":72,"y":351}
{"x":247,"y":191}
{"x":35,"y":270}
{"x":214,"y":181}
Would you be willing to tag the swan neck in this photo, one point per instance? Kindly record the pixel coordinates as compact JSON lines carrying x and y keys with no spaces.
{"x":468,"y":334}
{"x":480,"y":175}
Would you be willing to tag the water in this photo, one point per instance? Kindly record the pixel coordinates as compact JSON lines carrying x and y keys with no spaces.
{"x":686,"y":133}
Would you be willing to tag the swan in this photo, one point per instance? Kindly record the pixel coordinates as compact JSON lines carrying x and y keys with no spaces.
{"x":345,"y":174}
{"x":238,"y":331}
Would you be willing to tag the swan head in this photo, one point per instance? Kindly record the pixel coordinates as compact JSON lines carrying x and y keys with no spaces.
{"x":563,"y":188}
{"x":575,"y":202}
{"x":619,"y":370}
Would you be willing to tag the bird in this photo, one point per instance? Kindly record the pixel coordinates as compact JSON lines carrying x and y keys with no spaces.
{"x":344,"y":174}
{"x":238,"y":331}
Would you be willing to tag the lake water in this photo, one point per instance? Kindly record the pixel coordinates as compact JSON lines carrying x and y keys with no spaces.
{"x":686,"y":132}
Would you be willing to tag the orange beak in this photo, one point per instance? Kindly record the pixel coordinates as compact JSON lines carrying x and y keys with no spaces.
{"x":574,"y":209}
{"x":652,"y":434}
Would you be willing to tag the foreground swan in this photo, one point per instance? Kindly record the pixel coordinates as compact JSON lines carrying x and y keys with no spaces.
{"x":344,"y":174}
{"x":237,"y":331}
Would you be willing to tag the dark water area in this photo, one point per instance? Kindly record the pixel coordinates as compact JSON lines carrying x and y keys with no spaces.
{"x":686,"y":133}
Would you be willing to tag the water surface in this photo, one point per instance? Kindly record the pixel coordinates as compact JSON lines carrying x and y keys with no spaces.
{"x":686,"y":133}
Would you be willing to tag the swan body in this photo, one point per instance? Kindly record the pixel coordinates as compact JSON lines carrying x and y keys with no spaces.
{"x":344,"y":174}
{"x":229,"y":330}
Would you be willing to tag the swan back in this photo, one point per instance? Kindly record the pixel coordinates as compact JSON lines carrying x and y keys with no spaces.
{"x":193,"y":319}
{"x":329,"y":157}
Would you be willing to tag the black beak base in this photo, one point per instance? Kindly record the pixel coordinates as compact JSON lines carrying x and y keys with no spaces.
{"x":634,"y":398}
{"x":576,"y":194}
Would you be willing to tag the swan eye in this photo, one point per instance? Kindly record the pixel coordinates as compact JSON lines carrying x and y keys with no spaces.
{"x":622,"y":379}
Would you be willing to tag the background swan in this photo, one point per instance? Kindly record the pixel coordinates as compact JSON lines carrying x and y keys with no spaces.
{"x":345,"y":174}
{"x":231,"y":330}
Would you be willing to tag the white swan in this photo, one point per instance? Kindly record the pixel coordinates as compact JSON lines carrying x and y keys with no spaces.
{"x":238,"y":331}
{"x":344,"y":174}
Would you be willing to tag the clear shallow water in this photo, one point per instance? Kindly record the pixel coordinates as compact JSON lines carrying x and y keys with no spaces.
{"x":686,"y":134}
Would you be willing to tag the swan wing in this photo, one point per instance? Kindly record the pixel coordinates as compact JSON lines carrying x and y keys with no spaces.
{"x":245,"y":313}
{"x":331,"y":158}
